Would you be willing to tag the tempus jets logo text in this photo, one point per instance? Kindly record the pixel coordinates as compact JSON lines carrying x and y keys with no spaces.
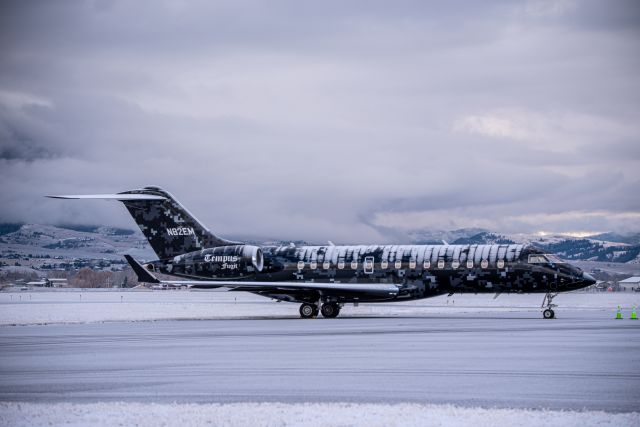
{"x":221,"y":258}
{"x":229,"y":262}
{"x":180,"y":231}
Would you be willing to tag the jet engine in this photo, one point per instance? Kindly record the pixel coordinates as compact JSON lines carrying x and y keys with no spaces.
{"x":222,"y":261}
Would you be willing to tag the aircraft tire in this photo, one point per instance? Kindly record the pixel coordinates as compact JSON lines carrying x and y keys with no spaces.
{"x":548,"y":314}
{"x":308,"y":311}
{"x":330,"y":310}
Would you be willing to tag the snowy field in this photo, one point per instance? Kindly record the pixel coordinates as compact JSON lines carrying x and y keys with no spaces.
{"x":86,"y":306}
{"x":310,"y":414}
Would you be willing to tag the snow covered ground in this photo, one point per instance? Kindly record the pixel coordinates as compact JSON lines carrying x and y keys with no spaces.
{"x":308,"y":414}
{"x":123,"y":350}
{"x":84,"y":306}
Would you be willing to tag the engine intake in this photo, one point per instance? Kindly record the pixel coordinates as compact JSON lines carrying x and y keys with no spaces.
{"x":257,"y":260}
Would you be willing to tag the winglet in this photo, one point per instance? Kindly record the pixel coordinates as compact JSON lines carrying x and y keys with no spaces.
{"x":143,"y":274}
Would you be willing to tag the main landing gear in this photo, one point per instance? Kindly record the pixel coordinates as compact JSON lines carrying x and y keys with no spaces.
{"x":548,"y":313}
{"x":307,"y":311}
{"x":328,"y":310}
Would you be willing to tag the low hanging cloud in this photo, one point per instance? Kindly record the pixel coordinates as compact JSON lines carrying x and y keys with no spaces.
{"x":354,"y":122}
{"x":561,"y":132}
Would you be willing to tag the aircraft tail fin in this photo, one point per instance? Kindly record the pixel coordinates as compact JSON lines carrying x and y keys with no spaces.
{"x":168,"y":226}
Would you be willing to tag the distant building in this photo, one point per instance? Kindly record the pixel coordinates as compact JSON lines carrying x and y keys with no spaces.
{"x":630,"y":284}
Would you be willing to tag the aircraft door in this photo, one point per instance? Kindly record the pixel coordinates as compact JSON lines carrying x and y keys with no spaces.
{"x":368,"y":265}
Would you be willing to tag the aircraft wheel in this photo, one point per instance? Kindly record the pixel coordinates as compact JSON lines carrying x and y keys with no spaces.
{"x":330,"y":310}
{"x":548,"y":314}
{"x":307,"y":311}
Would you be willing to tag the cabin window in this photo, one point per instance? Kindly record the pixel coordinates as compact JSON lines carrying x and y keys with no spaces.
{"x":300,"y":265}
{"x":426,"y":265}
{"x":484,"y":263}
{"x":314,"y":265}
{"x":384,"y":264}
{"x":500,"y":263}
{"x":325,"y":265}
{"x":340,"y":265}
{"x":441,"y":263}
{"x":368,"y":265}
{"x":412,"y":264}
{"x":469,"y":263}
{"x":398,"y":264}
{"x":455,"y":264}
{"x":354,"y":265}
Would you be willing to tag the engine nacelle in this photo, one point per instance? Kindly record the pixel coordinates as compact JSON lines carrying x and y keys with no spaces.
{"x":222,"y":261}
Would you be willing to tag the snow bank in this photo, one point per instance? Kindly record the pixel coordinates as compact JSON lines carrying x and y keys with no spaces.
{"x":82,"y":306}
{"x":309,"y":414}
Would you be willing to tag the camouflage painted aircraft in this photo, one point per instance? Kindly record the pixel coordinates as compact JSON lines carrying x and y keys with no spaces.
{"x":324,"y":278}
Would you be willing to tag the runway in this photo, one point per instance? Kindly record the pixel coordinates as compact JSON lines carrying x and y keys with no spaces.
{"x":582,"y":360}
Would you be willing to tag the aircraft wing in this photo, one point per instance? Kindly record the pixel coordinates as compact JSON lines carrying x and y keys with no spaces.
{"x":382,"y":289}
{"x":371,"y":288}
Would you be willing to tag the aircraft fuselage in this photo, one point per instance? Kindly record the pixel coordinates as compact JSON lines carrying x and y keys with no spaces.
{"x":420,"y":271}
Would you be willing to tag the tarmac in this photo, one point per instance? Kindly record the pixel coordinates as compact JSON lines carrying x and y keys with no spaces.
{"x":583,"y":359}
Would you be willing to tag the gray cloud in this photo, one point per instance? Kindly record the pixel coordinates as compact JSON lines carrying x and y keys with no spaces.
{"x":325,"y":120}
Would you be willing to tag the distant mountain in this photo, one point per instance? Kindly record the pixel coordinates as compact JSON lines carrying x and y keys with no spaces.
{"x":631,"y":239}
{"x":9,"y":227}
{"x":70,"y":242}
{"x":484,"y":238}
{"x":111,"y":231}
{"x":591,"y":250}
{"x":435,"y":237}
{"x":606,"y":247}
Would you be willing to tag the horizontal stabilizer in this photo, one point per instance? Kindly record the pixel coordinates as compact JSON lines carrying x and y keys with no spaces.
{"x":111,"y":197}
{"x":143,"y":274}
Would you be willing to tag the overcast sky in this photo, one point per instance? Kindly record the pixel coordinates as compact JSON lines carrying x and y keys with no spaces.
{"x":350,"y":121}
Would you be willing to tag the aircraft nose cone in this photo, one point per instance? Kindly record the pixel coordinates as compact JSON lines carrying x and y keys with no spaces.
{"x":588,"y":279}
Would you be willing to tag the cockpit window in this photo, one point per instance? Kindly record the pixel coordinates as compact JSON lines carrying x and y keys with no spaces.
{"x":537,"y":259}
{"x":554,"y":259}
{"x":544,"y":259}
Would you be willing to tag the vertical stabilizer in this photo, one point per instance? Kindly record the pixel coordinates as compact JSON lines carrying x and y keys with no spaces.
{"x":168,"y":226}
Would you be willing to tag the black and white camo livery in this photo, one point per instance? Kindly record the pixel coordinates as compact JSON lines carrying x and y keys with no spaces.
{"x":323,"y":278}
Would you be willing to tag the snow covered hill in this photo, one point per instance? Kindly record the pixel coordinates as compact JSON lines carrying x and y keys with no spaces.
{"x":68,"y":242}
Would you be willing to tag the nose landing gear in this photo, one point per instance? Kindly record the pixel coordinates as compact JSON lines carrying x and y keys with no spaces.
{"x":548,"y":313}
